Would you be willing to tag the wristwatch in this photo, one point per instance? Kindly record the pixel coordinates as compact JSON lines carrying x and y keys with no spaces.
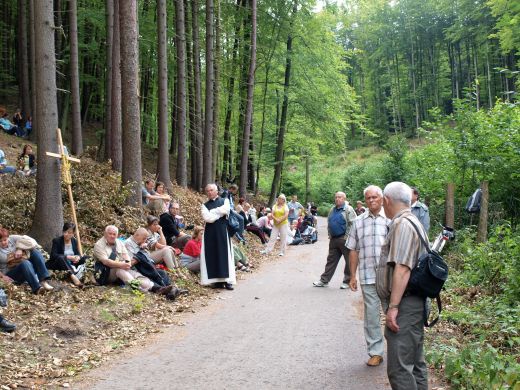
{"x":393,"y":306}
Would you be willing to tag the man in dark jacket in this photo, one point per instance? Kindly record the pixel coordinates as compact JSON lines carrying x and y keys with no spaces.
{"x":170,"y":225}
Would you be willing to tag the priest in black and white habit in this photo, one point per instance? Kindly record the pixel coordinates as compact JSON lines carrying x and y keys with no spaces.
{"x":217,"y":264}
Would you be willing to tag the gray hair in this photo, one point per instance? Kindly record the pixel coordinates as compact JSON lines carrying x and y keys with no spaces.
{"x":373,"y":188}
{"x":111,"y":227}
{"x":399,"y":192}
{"x":211,"y":185}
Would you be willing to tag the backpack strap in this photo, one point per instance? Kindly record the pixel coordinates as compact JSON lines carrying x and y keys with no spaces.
{"x":438,"y":297}
{"x":426,"y":245}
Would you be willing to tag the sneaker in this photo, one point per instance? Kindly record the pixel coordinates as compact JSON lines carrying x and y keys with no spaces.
{"x":344,"y":286}
{"x":264,"y":252}
{"x":280,"y":254}
{"x":319,"y":283}
{"x":47,"y":286}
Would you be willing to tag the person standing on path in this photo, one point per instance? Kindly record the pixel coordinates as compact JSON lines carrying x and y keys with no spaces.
{"x":217,"y":263}
{"x":340,"y":219}
{"x":404,"y":332}
{"x":365,"y":239}
{"x":420,"y":210}
{"x":280,"y":225}
{"x":294,"y":209}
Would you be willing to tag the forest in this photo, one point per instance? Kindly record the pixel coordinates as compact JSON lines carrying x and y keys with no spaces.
{"x":300,"y":97}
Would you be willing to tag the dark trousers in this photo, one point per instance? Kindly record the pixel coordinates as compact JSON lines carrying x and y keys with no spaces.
{"x":62,"y":264}
{"x":337,"y":249}
{"x":252,"y":228}
{"x":406,"y":367}
{"x":32,"y":271}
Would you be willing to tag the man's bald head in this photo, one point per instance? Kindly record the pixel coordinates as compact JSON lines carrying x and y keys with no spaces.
{"x":340,"y":198}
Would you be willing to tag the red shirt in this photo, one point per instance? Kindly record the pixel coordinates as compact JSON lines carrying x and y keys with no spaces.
{"x":193,"y":248}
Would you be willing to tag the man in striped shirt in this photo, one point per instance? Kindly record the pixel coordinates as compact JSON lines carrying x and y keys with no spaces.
{"x":365,"y":239}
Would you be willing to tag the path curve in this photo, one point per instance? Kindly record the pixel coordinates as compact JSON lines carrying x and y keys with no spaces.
{"x":275,"y":331}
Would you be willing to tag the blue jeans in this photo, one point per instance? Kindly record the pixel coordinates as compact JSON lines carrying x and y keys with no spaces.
{"x":31,"y":271}
{"x":8,"y":169}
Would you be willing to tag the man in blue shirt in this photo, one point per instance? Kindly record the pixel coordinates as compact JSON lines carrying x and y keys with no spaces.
{"x":339,"y":221}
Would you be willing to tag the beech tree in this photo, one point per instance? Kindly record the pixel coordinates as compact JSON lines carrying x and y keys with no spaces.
{"x":182,"y":177}
{"x":48,"y":216}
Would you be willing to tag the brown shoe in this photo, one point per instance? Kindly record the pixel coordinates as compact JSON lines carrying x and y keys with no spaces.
{"x":165,"y":290}
{"x":374,"y":361}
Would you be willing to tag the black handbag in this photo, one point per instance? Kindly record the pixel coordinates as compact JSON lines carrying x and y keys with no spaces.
{"x":428,"y":276}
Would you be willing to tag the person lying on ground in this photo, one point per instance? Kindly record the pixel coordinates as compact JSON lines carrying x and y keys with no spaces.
{"x":190,"y":257}
{"x":265,"y":223}
{"x":112,"y":253}
{"x":65,"y":254}
{"x":4,"y":168}
{"x":160,"y":252}
{"x":148,"y":194}
{"x":27,"y":161}
{"x":250,"y":226}
{"x":21,"y":262}
{"x":9,"y":127}
{"x":171,"y":229}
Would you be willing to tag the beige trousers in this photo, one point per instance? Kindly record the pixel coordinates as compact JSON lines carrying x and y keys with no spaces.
{"x":164,"y":255}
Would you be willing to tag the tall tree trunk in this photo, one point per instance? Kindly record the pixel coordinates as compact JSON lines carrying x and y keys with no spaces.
{"x":24,"y":83}
{"x":192,"y":132}
{"x":48,"y":216}
{"x":116,"y":153}
{"x":77,"y":137}
{"x":182,"y":176}
{"x":249,"y":104}
{"x":477,"y":85}
{"x":207,"y":176}
{"x":32,"y":38}
{"x":163,"y":160}
{"x":198,"y":94}
{"x":227,"y":165}
{"x":216,"y":91}
{"x":488,"y":71}
{"x":278,"y":163}
{"x":130,"y":101}
{"x":109,"y":13}
{"x":414,"y":87}
{"x":242,"y":86}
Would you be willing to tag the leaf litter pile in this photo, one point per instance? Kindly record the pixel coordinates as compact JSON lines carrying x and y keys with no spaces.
{"x":70,"y":330}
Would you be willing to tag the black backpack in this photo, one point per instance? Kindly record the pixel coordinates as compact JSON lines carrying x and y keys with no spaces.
{"x":473,"y":204}
{"x":428,"y":277}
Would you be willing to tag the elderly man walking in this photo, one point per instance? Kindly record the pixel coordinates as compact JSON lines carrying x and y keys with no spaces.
{"x":365,"y":239}
{"x":217,"y":264}
{"x":340,"y":219}
{"x":404,"y":330}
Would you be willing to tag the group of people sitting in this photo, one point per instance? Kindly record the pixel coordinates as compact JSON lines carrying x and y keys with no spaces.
{"x":26,"y":163}
{"x":17,"y":127}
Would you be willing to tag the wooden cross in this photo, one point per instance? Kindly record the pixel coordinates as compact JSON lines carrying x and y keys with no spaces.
{"x":67,"y":179}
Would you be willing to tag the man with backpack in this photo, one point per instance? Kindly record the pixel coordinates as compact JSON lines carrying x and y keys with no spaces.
{"x":404,"y":332}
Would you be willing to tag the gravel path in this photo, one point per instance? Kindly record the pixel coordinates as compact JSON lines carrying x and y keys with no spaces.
{"x":275,"y":331}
